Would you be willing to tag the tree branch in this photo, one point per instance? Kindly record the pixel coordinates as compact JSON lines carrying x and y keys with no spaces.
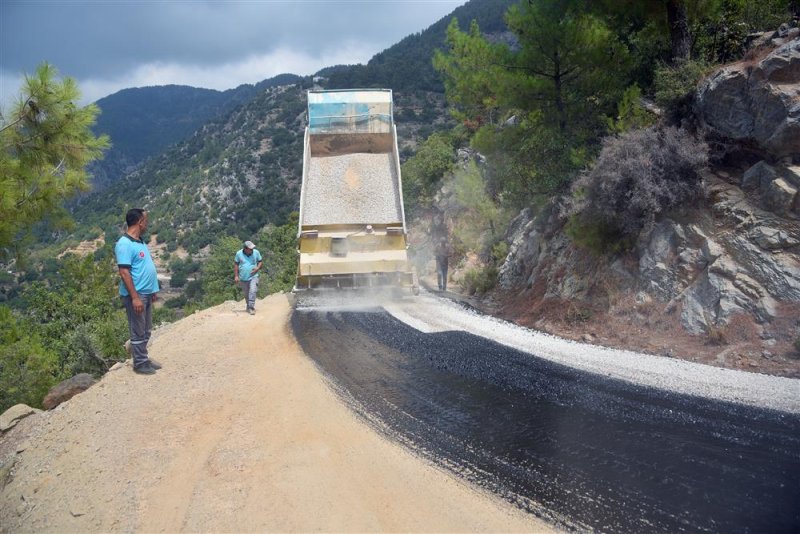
{"x":19,"y":118}
{"x":527,"y":69}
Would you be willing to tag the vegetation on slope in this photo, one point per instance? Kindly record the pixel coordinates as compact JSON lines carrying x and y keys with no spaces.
{"x":144,"y":121}
{"x":541,"y":108}
{"x":406,"y":66}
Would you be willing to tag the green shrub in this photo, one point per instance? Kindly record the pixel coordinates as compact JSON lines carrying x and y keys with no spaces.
{"x":85,"y":295}
{"x":194,"y":290}
{"x":597,"y":236}
{"x":675,"y":87}
{"x":479,"y":280}
{"x":499,"y":252}
{"x":81,"y":353}
{"x":278,"y":247}
{"x":178,"y":280}
{"x":630,"y":112}
{"x":637,"y":176}
{"x":423,"y":172}
{"x":162,"y":315}
{"x":27,"y":369}
{"x":477,"y":219}
{"x":217,"y":273}
{"x":177,"y":302}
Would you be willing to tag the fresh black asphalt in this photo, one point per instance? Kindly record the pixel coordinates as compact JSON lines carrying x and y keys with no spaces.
{"x":583,"y":451}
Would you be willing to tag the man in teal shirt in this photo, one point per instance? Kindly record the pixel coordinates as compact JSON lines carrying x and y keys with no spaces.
{"x":246,"y":265}
{"x":138,"y":288}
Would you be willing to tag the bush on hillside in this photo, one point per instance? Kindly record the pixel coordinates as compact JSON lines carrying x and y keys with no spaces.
{"x":77,"y":315}
{"x":479,"y":280}
{"x":478,"y":221}
{"x":278,"y":247}
{"x":217,"y":272}
{"x":638,"y":176}
{"x":27,"y":369}
{"x":675,"y":87}
{"x":631,"y":114}
{"x":423,"y":172}
{"x":178,"y":280}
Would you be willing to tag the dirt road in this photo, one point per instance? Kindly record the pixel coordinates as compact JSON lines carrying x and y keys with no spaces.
{"x":238,"y":432}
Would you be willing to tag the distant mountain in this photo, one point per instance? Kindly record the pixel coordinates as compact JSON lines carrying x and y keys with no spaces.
{"x":407,"y":65}
{"x":143,"y":122}
{"x":234,"y":174}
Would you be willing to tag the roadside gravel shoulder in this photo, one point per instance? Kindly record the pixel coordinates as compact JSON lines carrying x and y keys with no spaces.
{"x":428,"y":313}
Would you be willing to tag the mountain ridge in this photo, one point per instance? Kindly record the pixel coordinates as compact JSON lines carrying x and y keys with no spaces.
{"x":143,"y":121}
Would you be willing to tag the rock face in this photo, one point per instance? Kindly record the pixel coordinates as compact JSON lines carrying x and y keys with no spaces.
{"x":759,"y":104}
{"x":65,"y":390}
{"x":759,"y":176}
{"x":711,"y":266}
{"x":14,"y":415}
{"x":777,"y":188}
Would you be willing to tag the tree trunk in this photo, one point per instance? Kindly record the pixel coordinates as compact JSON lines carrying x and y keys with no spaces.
{"x":678,"y":22}
{"x":559,"y":98}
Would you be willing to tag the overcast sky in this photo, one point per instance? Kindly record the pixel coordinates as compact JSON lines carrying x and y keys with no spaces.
{"x":108,"y":45}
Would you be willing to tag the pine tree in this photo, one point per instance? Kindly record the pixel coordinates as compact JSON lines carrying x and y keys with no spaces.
{"x":569,"y":65}
{"x":46,"y":144}
{"x":471,"y":69}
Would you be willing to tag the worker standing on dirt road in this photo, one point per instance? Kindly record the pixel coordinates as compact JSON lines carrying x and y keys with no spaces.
{"x":442,"y":253}
{"x":137,"y":289}
{"x":246,"y":265}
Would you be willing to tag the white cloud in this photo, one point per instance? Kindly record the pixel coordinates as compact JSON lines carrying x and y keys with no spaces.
{"x":252,"y":69}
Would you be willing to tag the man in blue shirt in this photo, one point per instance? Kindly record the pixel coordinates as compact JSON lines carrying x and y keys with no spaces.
{"x":246,"y":265}
{"x":138,"y":288}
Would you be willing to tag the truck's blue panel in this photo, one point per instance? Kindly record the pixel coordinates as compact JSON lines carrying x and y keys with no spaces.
{"x":349,"y":111}
{"x":324,"y":115}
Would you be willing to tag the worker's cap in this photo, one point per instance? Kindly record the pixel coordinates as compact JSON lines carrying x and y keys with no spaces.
{"x":249,"y":244}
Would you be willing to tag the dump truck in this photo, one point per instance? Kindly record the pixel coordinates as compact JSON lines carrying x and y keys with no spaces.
{"x":352,"y":230}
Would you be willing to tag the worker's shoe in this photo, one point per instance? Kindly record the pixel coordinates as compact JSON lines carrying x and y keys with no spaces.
{"x":251,"y":311}
{"x":145,"y":369}
{"x":154,"y":364}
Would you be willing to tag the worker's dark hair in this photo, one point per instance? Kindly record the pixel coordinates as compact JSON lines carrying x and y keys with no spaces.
{"x":133,"y":216}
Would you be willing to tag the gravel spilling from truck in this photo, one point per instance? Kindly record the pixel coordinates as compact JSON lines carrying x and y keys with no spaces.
{"x":352,"y":189}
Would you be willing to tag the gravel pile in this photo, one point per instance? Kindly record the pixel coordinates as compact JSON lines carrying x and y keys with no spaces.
{"x":352,"y":189}
{"x":429,"y":314}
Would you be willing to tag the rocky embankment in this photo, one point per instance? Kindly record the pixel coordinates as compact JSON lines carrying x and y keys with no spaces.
{"x":718,"y":282}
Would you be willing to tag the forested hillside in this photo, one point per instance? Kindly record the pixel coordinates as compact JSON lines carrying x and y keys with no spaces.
{"x":406,"y":66}
{"x":145,"y":121}
{"x":234,"y":175}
